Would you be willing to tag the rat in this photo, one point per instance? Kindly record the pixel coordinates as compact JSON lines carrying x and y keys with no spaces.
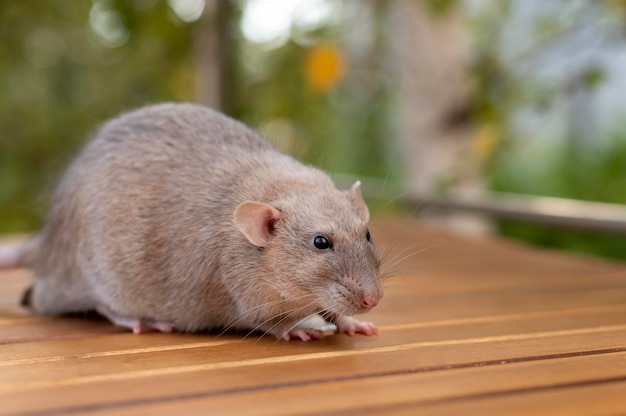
{"x":175,"y":217}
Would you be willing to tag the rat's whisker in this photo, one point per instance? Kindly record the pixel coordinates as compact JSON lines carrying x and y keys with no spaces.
{"x":296,"y":323}
{"x":404,"y":250}
{"x":415,"y":253}
{"x":406,"y":230}
{"x":287,"y":315}
{"x":250,"y":311}
{"x":289,"y":329}
{"x":391,"y":201}
{"x":387,"y":275}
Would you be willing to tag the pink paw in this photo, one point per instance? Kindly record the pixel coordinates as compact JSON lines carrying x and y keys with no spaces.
{"x":135,"y":325}
{"x":304,"y":334}
{"x":138,"y":327}
{"x":349,"y":325}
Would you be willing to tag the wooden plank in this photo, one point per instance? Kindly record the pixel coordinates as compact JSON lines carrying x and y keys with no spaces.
{"x":591,"y":398}
{"x":415,"y":391}
{"x":23,"y":375}
{"x":465,"y":323}
{"x":139,"y":375}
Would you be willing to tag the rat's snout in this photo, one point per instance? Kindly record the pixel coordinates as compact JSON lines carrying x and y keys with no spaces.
{"x":369,"y":302}
{"x":356,"y":296}
{"x":370,"y":299}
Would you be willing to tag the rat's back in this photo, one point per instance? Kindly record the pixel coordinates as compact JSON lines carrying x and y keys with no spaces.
{"x":137,"y":205}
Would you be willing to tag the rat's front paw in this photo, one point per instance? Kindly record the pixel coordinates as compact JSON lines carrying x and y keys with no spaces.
{"x":349,"y":325}
{"x":304,"y":334}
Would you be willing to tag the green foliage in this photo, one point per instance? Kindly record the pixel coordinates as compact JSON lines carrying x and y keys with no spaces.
{"x":440,"y":7}
{"x":60,"y":80}
{"x":584,"y":242}
{"x":65,"y":67}
{"x":583,"y":165}
{"x":598,"y":173}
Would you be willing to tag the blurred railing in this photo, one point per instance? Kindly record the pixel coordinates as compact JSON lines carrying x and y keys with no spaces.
{"x":559,"y":212}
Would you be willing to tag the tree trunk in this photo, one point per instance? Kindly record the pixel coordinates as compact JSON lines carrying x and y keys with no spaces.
{"x":430,"y":55}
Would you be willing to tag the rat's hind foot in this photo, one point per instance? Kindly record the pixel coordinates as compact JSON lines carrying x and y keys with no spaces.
{"x":311,"y":327}
{"x":349,"y":325}
{"x":136,"y":325}
{"x":304,"y":334}
{"x":140,"y":326}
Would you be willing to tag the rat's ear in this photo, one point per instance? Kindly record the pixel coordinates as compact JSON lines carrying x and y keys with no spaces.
{"x":256,"y":221}
{"x":359,"y":202}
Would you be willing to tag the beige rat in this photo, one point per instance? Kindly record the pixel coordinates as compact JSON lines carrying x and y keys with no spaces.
{"x":175,"y":217}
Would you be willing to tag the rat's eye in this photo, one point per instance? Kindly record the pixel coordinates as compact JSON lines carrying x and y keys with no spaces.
{"x":368,"y":236}
{"x":322,"y":243}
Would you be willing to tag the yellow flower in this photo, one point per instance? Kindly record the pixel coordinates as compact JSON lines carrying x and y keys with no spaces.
{"x":324,"y":66}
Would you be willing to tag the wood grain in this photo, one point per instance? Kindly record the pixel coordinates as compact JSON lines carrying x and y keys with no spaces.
{"x":466,"y":327}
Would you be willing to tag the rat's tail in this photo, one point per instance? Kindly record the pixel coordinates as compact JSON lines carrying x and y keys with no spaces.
{"x":18,"y":255}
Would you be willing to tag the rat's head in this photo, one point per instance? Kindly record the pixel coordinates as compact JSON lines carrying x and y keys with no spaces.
{"x":317,"y":247}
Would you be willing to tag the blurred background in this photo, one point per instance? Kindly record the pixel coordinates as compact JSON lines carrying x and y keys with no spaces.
{"x":453,"y":110}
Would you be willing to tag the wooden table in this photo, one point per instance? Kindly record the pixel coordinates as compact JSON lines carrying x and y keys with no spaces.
{"x":466,"y":327}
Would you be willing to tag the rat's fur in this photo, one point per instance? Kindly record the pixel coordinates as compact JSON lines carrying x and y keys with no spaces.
{"x":143,"y":229}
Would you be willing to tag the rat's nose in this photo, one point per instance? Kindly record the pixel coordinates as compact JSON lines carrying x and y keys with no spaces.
{"x":369,"y":302}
